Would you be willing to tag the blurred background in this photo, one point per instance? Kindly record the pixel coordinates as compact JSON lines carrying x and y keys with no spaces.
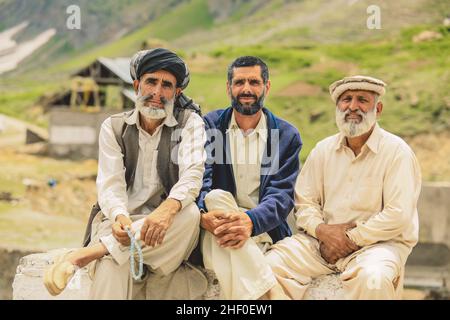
{"x":64,"y":67}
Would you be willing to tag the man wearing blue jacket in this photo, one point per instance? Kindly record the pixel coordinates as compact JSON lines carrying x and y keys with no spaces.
{"x":248,"y":185}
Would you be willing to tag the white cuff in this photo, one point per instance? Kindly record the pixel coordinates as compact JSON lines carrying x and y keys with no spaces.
{"x":355,"y":236}
{"x":312,"y":226}
{"x":120,"y":253}
{"x":184,"y":199}
{"x":118,"y":211}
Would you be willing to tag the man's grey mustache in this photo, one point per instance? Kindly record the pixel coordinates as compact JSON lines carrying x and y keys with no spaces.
{"x":149,"y":97}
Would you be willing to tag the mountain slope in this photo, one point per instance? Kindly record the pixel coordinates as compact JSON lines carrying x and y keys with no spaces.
{"x":307,"y":44}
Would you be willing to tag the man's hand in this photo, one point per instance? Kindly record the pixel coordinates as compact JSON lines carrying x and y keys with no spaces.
{"x":328,"y":254}
{"x":118,"y":229}
{"x":210,"y":220}
{"x":233,"y":231}
{"x":334,"y":243}
{"x":156,"y":223}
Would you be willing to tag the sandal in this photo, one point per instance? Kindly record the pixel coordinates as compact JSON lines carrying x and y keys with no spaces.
{"x":59,"y":274}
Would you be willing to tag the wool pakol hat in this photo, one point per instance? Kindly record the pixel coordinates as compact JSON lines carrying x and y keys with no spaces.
{"x":356,"y":83}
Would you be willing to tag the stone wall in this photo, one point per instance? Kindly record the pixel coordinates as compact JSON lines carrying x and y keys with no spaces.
{"x":28,"y":283}
{"x":434,"y":213}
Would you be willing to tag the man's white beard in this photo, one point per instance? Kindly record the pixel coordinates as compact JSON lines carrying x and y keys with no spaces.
{"x":153,"y":113}
{"x":351,"y":128}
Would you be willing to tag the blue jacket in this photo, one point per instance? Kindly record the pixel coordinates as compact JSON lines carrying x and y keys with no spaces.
{"x":276,"y":192}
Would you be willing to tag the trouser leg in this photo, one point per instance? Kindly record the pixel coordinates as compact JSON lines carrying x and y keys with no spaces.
{"x":242,"y":273}
{"x":296,"y":261}
{"x":181,"y":238}
{"x":374,"y":273}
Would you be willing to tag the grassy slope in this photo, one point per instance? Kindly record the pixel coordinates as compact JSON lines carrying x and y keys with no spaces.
{"x":167,"y":27}
{"x":413,"y":71}
{"x":415,"y":103}
{"x":19,"y":90}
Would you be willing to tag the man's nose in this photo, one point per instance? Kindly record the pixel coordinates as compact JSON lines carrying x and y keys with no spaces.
{"x":247,"y":87}
{"x":156,"y":91}
{"x":354,"y":105}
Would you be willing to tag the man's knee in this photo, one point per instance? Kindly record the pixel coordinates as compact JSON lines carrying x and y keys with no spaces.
{"x":381,"y":276}
{"x":216,"y":195}
{"x":191,"y":214}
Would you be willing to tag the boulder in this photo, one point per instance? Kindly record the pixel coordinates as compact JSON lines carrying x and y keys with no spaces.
{"x":28,"y":283}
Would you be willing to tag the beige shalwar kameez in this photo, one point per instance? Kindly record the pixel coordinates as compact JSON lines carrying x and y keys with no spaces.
{"x":378,"y":190}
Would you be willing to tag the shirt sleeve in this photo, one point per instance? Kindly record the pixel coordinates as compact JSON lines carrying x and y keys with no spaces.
{"x":111,"y":185}
{"x":191,"y":161}
{"x":309,"y":195}
{"x":401,"y":189}
{"x":209,"y":163}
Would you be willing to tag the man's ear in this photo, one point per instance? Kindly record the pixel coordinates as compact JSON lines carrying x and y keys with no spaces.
{"x":379,"y":108}
{"x":228,"y":89}
{"x":136,"y":86}
{"x":177,"y":92}
{"x":267,"y":85}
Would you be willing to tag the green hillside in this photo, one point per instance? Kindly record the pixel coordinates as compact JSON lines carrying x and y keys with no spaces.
{"x":307,"y":45}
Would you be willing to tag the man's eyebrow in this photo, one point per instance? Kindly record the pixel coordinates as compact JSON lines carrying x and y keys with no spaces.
{"x":167,"y":83}
{"x":249,"y":79}
{"x":164,"y":82}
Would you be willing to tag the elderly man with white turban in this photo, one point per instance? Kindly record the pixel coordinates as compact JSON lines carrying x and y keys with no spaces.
{"x":356,"y":203}
{"x":150,"y":170}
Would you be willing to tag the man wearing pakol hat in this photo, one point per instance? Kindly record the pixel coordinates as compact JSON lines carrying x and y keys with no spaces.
{"x":356,"y":203}
{"x":151,"y":164}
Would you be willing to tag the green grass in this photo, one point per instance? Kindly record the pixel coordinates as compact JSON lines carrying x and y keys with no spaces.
{"x":18,"y":96}
{"x":166,"y":27}
{"x":410,"y":69}
{"x":416,"y":73}
{"x":195,"y":16}
{"x":286,"y":57}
